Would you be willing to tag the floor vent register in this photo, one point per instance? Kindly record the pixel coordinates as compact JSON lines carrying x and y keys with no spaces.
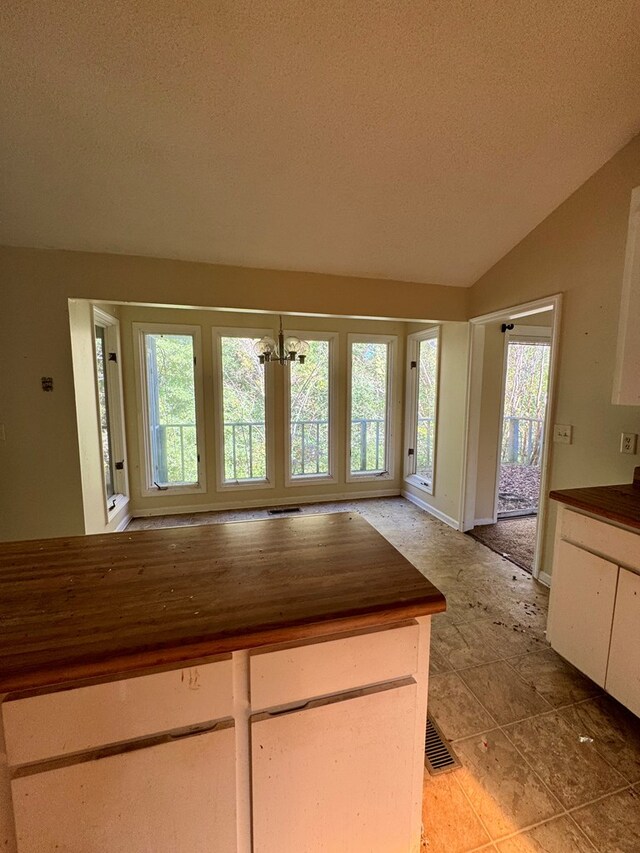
{"x":438,"y":755}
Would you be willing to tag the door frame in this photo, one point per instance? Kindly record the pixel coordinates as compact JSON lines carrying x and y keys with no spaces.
{"x":477,"y":328}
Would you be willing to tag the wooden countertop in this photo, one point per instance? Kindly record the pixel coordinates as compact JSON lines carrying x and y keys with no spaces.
{"x":106,"y":605}
{"x":616,"y":503}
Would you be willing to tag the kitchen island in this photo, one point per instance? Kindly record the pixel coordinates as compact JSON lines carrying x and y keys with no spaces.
{"x":248,"y":686}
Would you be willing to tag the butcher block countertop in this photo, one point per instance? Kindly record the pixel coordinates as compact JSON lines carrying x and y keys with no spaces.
{"x":616,"y":503}
{"x":107,"y":605}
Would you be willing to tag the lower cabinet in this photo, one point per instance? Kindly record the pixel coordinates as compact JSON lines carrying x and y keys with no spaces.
{"x":175,"y":797}
{"x":594,"y":608}
{"x":623,"y":674}
{"x":336,"y":775}
{"x":583,"y":595}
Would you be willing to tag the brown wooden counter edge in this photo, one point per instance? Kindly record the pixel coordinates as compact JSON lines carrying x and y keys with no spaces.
{"x":580,"y":499}
{"x":66,"y":674}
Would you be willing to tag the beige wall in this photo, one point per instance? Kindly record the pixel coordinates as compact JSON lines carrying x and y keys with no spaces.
{"x":40,"y":456}
{"x":452,"y":400}
{"x":212,"y":498}
{"x":579,"y":251}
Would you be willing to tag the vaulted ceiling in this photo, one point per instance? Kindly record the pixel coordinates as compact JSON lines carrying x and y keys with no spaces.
{"x":407,"y":140}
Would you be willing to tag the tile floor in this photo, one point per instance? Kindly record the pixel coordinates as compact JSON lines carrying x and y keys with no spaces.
{"x":550,"y":763}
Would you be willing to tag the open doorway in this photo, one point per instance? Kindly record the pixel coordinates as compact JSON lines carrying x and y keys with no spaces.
{"x":524,"y":404}
{"x":511,"y":377}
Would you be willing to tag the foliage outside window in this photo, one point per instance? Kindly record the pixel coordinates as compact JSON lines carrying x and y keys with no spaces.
{"x":171,"y":400}
{"x":243,"y":411}
{"x":421,"y":408}
{"x":110,"y":411}
{"x":103,"y":412}
{"x":309,"y":413}
{"x":525,"y":398}
{"x":369,"y":407}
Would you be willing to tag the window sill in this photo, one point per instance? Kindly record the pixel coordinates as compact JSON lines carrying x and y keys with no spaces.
{"x":368,"y":476}
{"x":310,"y":480}
{"x":419,"y":483}
{"x":240,"y":485}
{"x":191,"y":489}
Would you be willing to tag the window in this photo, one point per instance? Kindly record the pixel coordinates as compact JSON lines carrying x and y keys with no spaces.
{"x":110,"y":411}
{"x":370,"y":434}
{"x":244,"y":457}
{"x":422,"y":399}
{"x":171,"y":391}
{"x":310,"y":411}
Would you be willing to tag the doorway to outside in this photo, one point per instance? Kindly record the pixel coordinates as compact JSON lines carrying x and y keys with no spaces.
{"x":526,"y":385}
{"x":511,"y":369}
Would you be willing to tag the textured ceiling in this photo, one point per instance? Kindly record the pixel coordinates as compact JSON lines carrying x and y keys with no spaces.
{"x":409,"y":140}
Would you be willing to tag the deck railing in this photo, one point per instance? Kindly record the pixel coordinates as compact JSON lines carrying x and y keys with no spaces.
{"x":522,"y":441}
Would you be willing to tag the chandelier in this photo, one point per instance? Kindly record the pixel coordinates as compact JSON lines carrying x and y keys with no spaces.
{"x":284,"y":350}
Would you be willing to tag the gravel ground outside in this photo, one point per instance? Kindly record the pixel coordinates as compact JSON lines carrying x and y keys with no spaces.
{"x":519,"y":488}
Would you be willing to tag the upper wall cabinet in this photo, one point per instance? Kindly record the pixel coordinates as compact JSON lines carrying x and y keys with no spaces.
{"x":626,"y":383}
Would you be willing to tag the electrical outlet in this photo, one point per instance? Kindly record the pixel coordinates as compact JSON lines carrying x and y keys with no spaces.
{"x":628,"y":442}
{"x":562,"y":433}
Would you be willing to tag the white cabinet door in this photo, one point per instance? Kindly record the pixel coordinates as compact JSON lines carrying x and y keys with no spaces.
{"x":176,"y":797}
{"x":623,"y":675}
{"x":336,"y":775}
{"x":583,"y":591}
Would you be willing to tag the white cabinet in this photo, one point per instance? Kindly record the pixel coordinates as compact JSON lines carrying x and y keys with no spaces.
{"x":355,"y":795}
{"x":594,"y":608}
{"x":175,"y":797}
{"x":623,"y":675}
{"x":198,"y":759}
{"x":581,"y":609}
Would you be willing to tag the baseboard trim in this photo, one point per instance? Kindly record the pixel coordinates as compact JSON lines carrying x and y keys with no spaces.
{"x":479,"y":522}
{"x":260,"y":503}
{"x":441,"y":516}
{"x":545,"y":578}
{"x":122,"y":525}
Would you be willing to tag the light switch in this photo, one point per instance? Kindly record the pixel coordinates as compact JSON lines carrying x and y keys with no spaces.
{"x":628,"y":442}
{"x":562,"y":433}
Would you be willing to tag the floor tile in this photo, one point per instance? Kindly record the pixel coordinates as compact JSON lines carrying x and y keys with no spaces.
{"x":613,"y":824}
{"x":449,"y":823}
{"x":506,"y":794}
{"x":508,"y":640}
{"x":454,"y":708}
{"x":463,"y":645}
{"x":555,"y":679}
{"x":572,"y":769}
{"x":503,"y":693}
{"x":614,"y":729}
{"x":560,"y":835}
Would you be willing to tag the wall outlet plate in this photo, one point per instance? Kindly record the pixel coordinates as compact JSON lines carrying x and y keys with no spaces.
{"x":628,"y":442}
{"x":562,"y":433}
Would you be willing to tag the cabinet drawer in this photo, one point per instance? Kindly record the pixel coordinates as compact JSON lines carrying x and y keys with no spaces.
{"x":289,"y":675}
{"x":83,"y":718}
{"x":619,"y":546}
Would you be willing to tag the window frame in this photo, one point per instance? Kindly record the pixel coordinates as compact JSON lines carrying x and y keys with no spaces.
{"x":411,"y":409}
{"x":290,"y":480}
{"x":147,"y":489}
{"x":113,"y":383}
{"x":223,"y":485}
{"x":390,"y":419}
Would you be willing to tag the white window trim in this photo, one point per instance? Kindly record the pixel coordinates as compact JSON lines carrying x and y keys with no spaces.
{"x":389,"y":470}
{"x":113,"y":379}
{"x":223,"y":485}
{"x":411,"y":406}
{"x":314,"y":479}
{"x":147,"y":489}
